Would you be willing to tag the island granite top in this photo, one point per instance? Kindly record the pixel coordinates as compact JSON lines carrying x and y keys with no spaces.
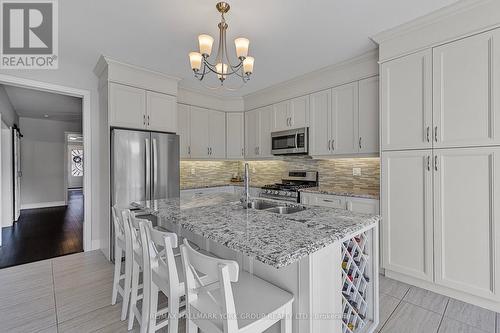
{"x":277,"y":240}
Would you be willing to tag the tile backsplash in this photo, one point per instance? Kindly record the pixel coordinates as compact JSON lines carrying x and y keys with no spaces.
{"x":334,"y":174}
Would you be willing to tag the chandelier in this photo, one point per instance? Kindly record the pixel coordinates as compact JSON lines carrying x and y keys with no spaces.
{"x":222,"y":67}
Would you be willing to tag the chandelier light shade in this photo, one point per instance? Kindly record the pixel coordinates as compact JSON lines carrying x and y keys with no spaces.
{"x":222,"y":67}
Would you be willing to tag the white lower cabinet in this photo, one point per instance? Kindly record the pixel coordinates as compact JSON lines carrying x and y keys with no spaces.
{"x":441,"y":220}
{"x":467,"y":220}
{"x":353,"y":204}
{"x":407,"y":212}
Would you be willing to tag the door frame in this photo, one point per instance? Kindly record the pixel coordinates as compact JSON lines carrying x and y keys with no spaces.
{"x":66,"y":166}
{"x":87,"y":146}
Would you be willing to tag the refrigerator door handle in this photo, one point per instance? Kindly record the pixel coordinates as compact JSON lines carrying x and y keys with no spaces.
{"x":154,"y":181}
{"x":147,"y":161}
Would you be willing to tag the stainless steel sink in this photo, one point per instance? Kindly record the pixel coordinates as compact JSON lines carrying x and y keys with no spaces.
{"x":274,"y":207}
{"x":286,"y":210}
{"x":262,"y":204}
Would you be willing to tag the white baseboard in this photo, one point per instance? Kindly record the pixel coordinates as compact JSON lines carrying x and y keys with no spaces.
{"x":43,"y":205}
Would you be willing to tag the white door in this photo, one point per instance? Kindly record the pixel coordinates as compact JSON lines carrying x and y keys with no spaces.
{"x":319,"y":140}
{"x":467,"y":219}
{"x":235,"y":129}
{"x":127,"y":106}
{"x":161,"y":112}
{"x":406,"y":102}
{"x":407,"y":212}
{"x":344,"y":120}
{"x":466,"y":91}
{"x":368,"y":118}
{"x":265,"y":125}
{"x":199,"y":133}
{"x":252,"y":132}
{"x":281,"y":116}
{"x":299,"y":112}
{"x":183,"y":129}
{"x":217,"y":134}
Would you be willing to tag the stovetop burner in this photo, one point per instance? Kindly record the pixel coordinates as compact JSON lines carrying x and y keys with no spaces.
{"x":293,"y":181}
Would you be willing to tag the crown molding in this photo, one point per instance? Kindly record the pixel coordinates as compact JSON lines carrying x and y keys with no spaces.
{"x":429,"y":19}
{"x":202,"y":98}
{"x":367,"y":56}
{"x":105,"y":61}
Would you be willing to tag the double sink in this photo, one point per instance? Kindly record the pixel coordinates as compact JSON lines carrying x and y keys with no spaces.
{"x":274,"y":207}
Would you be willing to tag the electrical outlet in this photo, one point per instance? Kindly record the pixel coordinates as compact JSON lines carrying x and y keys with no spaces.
{"x":356,"y":171}
{"x":193,"y":171}
{"x":253,"y":170}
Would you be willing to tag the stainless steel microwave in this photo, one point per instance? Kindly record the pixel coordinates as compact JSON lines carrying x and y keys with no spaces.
{"x":289,"y":142}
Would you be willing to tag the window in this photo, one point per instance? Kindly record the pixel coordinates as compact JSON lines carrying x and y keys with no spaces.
{"x":77,"y":162}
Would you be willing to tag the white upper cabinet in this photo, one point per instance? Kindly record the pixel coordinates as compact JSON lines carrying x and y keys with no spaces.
{"x":235,"y":129}
{"x":368,"y":118}
{"x":127,"y":106}
{"x":467,"y":211}
{"x":252,"y":133}
{"x":299,"y":112}
{"x":200,"y":145}
{"x":407,"y":212}
{"x":344,"y":119}
{"x":406,"y":102}
{"x":217,"y":134}
{"x":281,"y":116}
{"x":264,"y":148}
{"x":184,"y":126}
{"x":161,"y":112}
{"x":293,"y":113}
{"x":137,"y":108}
{"x":466,"y":91}
{"x":319,"y":131}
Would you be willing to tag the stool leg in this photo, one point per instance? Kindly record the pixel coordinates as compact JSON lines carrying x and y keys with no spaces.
{"x":134,"y":293}
{"x":191,"y":326}
{"x":173,"y":315}
{"x":153,"y":308}
{"x":116,"y":276}
{"x":127,"y":286}
{"x":286,"y":323}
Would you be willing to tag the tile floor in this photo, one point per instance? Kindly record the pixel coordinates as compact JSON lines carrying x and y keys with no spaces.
{"x":408,"y":309}
{"x":73,"y":294}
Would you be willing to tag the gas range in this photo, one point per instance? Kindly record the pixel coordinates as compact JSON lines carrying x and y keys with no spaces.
{"x":292,"y":182}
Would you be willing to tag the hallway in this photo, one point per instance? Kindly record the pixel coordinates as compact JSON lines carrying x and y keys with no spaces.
{"x":44,"y":233}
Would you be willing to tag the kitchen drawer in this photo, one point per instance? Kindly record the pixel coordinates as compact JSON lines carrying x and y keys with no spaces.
{"x":324,"y":200}
{"x":363,"y":205}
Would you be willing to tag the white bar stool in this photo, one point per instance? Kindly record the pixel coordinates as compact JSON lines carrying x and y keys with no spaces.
{"x":233,"y":301}
{"x":163,"y":271}
{"x":123,"y":247}
{"x":137,"y":267}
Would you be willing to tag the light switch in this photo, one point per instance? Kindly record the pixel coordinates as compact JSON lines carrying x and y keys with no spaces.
{"x":356,"y":171}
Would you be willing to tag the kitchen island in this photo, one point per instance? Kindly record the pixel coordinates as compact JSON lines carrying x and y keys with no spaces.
{"x":328,"y":258}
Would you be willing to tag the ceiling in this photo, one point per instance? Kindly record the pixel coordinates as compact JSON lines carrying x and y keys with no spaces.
{"x":288,"y":38}
{"x":31,"y":103}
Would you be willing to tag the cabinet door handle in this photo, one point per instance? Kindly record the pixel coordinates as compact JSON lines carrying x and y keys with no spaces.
{"x":242,"y":151}
{"x":208,"y":150}
{"x":435,"y":162}
{"x":333,"y":145}
{"x":428,"y":134}
{"x":189,"y":150}
{"x":428,"y":163}
{"x":258,"y":150}
{"x":436,"y":133}
{"x":360,"y":142}
{"x":148,"y":120}
{"x":144,"y":119}
{"x":329,"y":143}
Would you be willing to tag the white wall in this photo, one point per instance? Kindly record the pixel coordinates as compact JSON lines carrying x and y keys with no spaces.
{"x":42,"y":160}
{"x":7,"y":186}
{"x":9,"y":115}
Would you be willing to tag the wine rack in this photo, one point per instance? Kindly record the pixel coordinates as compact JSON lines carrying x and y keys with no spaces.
{"x":356,"y":283}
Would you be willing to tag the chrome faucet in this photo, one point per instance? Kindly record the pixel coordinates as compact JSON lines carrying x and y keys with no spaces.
{"x":246,"y":187}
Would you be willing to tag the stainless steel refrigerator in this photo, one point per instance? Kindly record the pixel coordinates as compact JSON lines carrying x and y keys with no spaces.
{"x":144,"y":166}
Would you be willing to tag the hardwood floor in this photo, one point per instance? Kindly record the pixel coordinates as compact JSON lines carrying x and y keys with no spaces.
{"x":44,"y":233}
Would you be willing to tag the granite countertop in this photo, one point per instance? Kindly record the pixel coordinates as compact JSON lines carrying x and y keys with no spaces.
{"x":331,"y":191}
{"x":277,"y":240}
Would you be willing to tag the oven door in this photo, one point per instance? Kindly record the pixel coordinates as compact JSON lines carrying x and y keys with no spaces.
{"x":290,"y":142}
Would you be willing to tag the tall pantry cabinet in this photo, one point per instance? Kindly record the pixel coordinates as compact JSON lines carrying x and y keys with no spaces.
{"x":440,"y":187}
